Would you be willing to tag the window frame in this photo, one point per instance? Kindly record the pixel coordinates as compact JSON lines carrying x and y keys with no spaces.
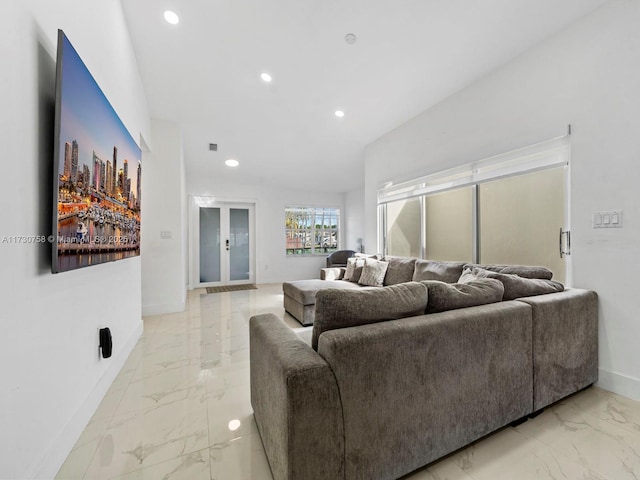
{"x":310,"y":224}
{"x":545,"y":155}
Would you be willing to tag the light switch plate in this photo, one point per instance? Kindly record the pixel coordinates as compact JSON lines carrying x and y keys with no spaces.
{"x":607,"y":219}
{"x":165,"y":234}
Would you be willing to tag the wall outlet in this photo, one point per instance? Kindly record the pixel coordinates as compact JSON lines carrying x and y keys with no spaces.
{"x":165,"y":234}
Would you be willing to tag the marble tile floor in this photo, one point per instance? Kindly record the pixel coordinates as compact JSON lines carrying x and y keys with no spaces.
{"x":180,"y":410}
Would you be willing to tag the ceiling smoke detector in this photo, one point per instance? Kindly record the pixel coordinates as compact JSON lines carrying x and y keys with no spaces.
{"x":350,"y":38}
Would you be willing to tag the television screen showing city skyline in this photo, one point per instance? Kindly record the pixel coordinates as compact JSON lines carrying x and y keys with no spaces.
{"x":97,"y":169}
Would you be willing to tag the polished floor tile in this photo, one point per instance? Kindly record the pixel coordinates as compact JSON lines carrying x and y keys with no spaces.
{"x":180,"y":410}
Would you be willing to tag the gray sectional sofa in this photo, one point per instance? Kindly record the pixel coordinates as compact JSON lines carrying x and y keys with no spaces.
{"x":300,"y":295}
{"x":382,"y":388}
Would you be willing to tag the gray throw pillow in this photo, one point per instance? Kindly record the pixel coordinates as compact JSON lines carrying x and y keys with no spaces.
{"x":446,"y":296}
{"x":400,"y":269}
{"x":373,"y":272}
{"x":336,"y":308}
{"x":443,"y":271}
{"x":514,"y":285}
{"x":524,"y":271}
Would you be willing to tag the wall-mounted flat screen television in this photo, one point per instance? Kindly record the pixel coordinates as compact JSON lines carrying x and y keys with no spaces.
{"x":97,"y":172}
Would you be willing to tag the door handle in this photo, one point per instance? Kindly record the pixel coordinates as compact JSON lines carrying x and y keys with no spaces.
{"x":564,"y":251}
{"x":227,"y":243}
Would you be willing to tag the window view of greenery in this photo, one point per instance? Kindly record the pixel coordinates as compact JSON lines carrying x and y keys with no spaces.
{"x":311,"y":230}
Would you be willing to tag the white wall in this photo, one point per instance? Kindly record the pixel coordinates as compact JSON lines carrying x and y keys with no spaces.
{"x":52,"y":376}
{"x":354,"y":221}
{"x":272,"y":265}
{"x":587,"y":76}
{"x":163,"y":210}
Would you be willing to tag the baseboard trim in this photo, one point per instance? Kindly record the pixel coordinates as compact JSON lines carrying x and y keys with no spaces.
{"x":619,"y":383}
{"x":160,"y":309}
{"x":53,"y":459}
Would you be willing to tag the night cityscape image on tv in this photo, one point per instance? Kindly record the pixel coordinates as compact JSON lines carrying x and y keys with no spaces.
{"x":98,"y":173}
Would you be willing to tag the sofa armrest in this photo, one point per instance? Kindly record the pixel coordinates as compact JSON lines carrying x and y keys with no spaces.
{"x":565,"y":344}
{"x":332,"y":273}
{"x":296,"y":403}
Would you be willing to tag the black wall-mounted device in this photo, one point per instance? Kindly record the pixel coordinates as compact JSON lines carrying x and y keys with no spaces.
{"x":106,"y":342}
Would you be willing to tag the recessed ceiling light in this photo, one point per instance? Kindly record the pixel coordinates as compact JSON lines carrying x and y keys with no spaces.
{"x":234,"y":425}
{"x":265,"y":77}
{"x":339,"y":113}
{"x":171,"y":17}
{"x":231,"y":163}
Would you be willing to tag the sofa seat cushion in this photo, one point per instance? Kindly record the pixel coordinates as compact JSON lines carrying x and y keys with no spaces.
{"x":400,"y":269}
{"x":304,"y":291}
{"x":446,"y":296}
{"x":442,"y":271}
{"x":524,"y":271}
{"x":514,"y":285}
{"x":349,"y":308}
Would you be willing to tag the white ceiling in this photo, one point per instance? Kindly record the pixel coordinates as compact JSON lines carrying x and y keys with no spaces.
{"x":204,"y":73}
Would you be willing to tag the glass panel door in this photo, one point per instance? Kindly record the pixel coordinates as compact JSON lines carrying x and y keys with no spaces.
{"x":403,"y":228}
{"x":520,"y":220}
{"x":238,"y":246}
{"x":449,"y":225}
{"x":222,"y":245}
{"x":210,"y":265}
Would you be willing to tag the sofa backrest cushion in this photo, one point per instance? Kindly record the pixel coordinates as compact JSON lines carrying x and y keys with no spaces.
{"x":444,"y":296}
{"x":443,"y":271}
{"x":524,"y":271}
{"x":400,"y":269}
{"x":337,"y":308}
{"x":514,"y":285}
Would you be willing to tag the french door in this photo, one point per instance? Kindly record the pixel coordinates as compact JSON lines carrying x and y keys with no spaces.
{"x":222,"y":243}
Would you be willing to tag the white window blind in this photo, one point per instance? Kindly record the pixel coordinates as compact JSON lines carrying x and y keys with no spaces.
{"x":547,"y":154}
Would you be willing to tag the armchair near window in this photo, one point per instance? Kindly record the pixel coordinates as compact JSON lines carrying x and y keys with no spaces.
{"x":339,"y":258}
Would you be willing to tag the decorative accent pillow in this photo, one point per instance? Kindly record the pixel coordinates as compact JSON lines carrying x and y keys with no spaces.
{"x":442,"y":271}
{"x":351,"y":266}
{"x":514,"y":285}
{"x":451,"y":296}
{"x":354,"y":269}
{"x":373,"y":272}
{"x":337,"y":308}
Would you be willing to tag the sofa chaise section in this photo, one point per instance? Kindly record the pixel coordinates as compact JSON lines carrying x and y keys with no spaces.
{"x":380,"y":400}
{"x":300,"y":296}
{"x":416,"y":389}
